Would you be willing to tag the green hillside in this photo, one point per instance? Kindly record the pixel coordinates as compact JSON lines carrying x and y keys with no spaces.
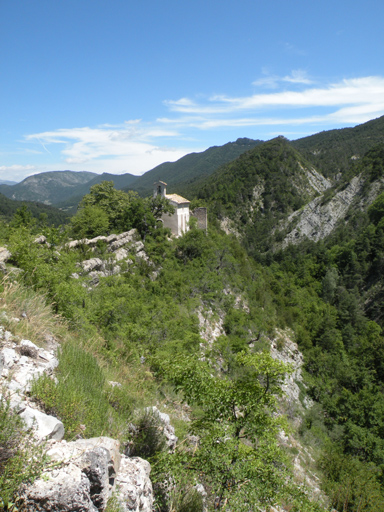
{"x":337,"y":151}
{"x":52,"y":216}
{"x":181,"y":174}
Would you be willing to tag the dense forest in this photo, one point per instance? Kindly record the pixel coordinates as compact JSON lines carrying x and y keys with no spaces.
{"x":141,"y":326}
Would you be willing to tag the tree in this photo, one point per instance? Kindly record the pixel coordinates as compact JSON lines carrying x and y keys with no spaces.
{"x":123,"y":210}
{"x":113,"y":202}
{"x":89,"y":221}
{"x":238,"y":458}
{"x":23,"y":218}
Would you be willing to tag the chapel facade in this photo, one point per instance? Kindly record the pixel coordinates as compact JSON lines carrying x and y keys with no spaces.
{"x":178,"y":222}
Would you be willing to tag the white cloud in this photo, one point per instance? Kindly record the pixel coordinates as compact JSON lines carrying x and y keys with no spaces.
{"x":369,"y":90}
{"x":114,"y":148}
{"x":17,"y":172}
{"x":298,"y":76}
{"x":271,"y":81}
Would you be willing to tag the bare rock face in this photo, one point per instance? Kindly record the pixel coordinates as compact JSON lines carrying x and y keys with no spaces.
{"x":133,"y":486}
{"x":317,"y":220}
{"x":45,"y":426}
{"x":89,"y":471}
{"x":66,"y":489}
{"x":119,"y":248}
{"x":285,"y":350}
{"x":168,"y":429}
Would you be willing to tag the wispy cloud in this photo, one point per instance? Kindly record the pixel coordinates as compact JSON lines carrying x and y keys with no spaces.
{"x":298,"y":76}
{"x":292,"y":100}
{"x":129,"y":147}
{"x":349,"y":101}
{"x":271,"y":81}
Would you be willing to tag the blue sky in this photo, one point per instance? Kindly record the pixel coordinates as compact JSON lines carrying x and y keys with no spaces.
{"x":120,"y":86}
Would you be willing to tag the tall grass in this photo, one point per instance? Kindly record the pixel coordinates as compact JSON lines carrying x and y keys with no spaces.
{"x":77,"y":395}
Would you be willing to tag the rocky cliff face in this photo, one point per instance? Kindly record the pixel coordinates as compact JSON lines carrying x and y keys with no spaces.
{"x":321,"y":216}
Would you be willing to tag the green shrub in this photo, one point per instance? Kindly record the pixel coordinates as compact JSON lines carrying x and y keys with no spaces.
{"x":146,"y":435}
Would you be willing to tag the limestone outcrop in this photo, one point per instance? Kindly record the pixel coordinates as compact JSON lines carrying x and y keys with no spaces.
{"x":87,"y":473}
{"x":123,"y":249}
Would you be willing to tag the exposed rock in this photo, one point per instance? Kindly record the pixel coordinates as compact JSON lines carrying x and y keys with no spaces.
{"x":133,"y":486}
{"x":316,"y":180}
{"x":4,"y":254}
{"x":65,"y":489}
{"x":92,"y":264}
{"x":168,"y":429}
{"x":121,"y":254}
{"x":90,"y":471}
{"x":285,"y":350}
{"x":45,"y":426}
{"x":210,"y":325}
{"x":26,"y":362}
{"x":119,"y":246}
{"x":40,"y":239}
{"x":317,"y":220}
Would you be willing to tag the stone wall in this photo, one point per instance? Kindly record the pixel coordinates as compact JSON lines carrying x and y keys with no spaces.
{"x":202,"y":217}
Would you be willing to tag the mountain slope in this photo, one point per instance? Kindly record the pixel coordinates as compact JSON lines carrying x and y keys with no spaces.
{"x":192,"y":167}
{"x":261,"y":187}
{"x":47,"y":187}
{"x":8,"y":208}
{"x":120,"y":181}
{"x":335,"y":151}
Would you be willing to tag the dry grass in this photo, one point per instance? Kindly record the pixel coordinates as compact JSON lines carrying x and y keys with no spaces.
{"x":26,"y":314}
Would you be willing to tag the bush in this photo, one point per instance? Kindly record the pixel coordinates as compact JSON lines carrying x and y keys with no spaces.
{"x":147,"y":438}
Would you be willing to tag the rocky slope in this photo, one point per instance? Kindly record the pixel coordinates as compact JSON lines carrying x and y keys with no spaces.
{"x":82,"y":475}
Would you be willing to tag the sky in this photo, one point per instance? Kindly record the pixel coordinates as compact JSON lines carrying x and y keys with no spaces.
{"x":120,"y":86}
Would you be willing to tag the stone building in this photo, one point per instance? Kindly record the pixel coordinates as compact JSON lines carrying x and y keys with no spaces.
{"x":178,"y":223}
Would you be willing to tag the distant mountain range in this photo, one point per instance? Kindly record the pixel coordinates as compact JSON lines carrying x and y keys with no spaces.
{"x":7,"y":182}
{"x":333,"y":153}
{"x":65,"y":189}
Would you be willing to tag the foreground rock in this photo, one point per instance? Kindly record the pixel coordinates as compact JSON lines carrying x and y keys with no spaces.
{"x":89,"y":472}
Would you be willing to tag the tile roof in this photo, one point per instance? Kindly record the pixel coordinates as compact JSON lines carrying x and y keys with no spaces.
{"x":176,"y":198}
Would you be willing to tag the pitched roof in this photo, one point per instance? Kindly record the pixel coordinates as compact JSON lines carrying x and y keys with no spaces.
{"x":176,"y":198}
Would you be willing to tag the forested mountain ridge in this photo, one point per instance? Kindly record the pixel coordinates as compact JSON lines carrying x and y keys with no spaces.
{"x":335,"y":151}
{"x":261,"y":187}
{"x":43,"y":213}
{"x":120,"y":181}
{"x":192,"y":167}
